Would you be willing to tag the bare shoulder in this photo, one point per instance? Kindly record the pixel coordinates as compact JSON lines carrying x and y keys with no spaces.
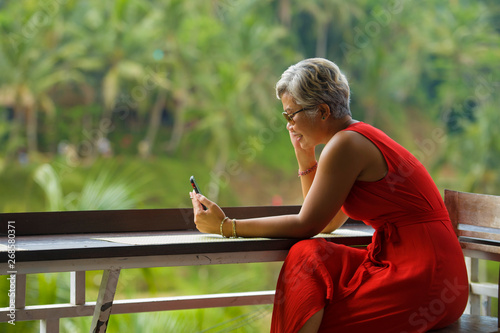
{"x":348,"y":141}
{"x":345,"y":146}
{"x":354,"y":153}
{"x":358,"y":152}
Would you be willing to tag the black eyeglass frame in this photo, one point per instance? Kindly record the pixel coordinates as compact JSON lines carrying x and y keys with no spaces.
{"x":289,"y":116}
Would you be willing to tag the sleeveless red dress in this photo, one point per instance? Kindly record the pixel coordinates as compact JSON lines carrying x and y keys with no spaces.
{"x":411,"y":278}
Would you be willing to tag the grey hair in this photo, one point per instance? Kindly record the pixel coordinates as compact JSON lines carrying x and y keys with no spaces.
{"x":314,"y":81}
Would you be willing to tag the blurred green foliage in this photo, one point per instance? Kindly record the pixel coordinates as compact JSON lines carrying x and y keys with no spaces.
{"x":175,"y":78}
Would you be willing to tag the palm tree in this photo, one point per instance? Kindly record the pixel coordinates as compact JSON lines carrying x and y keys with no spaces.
{"x":31,"y":68}
{"x":113,"y":45}
{"x":328,"y":18}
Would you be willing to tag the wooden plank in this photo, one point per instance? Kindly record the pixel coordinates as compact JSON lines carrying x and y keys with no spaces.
{"x":481,"y":255}
{"x":474,"y":300}
{"x":20,"y":291}
{"x":77,"y":287}
{"x":40,"y":312}
{"x":135,"y":220}
{"x":93,"y":264}
{"x":483,"y":233}
{"x":484,"y":289}
{"x":471,"y":324}
{"x":479,"y":209}
{"x":451,"y":203}
{"x":53,"y":223}
{"x":49,"y":325}
{"x":194,"y":302}
{"x":73,"y":247}
{"x":104,"y":302}
{"x":173,"y":249}
{"x":480,"y":247}
{"x":473,"y":209}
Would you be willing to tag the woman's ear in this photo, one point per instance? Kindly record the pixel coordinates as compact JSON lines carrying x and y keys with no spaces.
{"x":324,"y":110}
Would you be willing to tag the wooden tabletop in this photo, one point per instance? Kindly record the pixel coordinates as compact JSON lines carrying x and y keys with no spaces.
{"x":52,"y":236}
{"x":106,"y":245}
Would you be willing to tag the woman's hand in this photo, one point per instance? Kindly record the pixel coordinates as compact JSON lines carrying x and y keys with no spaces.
{"x":295,"y":142}
{"x":305,"y":157}
{"x":207,"y":221}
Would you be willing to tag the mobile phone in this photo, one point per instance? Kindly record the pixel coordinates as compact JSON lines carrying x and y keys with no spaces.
{"x":196,"y":189}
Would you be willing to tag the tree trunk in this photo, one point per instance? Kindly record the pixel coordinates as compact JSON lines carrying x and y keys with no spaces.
{"x":322,"y":41}
{"x":178,"y":129}
{"x":15,"y":132}
{"x":285,"y":13}
{"x":219,"y":178}
{"x":154,"y":122}
{"x":31,"y":129}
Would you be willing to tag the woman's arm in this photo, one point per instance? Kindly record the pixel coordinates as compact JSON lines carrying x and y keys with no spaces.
{"x":336,"y":223}
{"x":307,"y":159}
{"x":341,"y":162}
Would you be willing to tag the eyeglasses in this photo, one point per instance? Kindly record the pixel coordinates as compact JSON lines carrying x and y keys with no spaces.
{"x":289,"y":116}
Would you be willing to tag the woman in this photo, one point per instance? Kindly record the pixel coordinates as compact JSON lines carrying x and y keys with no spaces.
{"x":412,"y":277}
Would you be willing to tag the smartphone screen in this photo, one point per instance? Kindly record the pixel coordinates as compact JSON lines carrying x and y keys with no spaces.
{"x":196,"y":189}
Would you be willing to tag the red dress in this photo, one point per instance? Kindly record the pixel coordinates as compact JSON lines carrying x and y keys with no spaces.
{"x":411,"y":278}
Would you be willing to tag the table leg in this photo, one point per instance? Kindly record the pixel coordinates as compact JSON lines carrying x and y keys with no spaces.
{"x":104,"y":301}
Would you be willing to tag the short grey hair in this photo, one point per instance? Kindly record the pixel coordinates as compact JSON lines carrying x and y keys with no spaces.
{"x":314,"y":81}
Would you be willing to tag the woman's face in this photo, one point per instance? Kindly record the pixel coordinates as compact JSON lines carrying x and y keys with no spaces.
{"x":302,"y":127}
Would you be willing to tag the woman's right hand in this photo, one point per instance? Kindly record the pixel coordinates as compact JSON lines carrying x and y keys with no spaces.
{"x":295,"y":141}
{"x":305,"y":157}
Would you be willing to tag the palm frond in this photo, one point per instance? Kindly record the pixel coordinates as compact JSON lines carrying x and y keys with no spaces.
{"x":49,"y":181}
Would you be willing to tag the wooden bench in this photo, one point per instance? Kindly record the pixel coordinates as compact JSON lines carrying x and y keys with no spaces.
{"x":476,"y":219}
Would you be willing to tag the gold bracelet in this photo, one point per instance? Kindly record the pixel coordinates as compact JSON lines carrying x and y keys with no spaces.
{"x":222,"y":224}
{"x":234,"y":229}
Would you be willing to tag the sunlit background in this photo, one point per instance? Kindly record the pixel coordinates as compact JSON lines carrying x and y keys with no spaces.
{"x":114,"y":104}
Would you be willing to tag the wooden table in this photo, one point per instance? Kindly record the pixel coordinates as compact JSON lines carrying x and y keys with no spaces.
{"x":113,"y":240}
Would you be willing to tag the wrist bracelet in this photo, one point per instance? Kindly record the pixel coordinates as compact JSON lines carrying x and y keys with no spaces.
{"x":221,"y":225}
{"x":234,"y":228}
{"x":308,"y":171}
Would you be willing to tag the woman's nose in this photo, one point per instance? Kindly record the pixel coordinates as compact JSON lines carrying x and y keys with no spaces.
{"x":289,"y":126}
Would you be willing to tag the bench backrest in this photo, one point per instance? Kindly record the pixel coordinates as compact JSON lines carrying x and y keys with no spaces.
{"x":476,"y":219}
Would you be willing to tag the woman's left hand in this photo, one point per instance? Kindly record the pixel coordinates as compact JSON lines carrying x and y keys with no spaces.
{"x":207,"y":221}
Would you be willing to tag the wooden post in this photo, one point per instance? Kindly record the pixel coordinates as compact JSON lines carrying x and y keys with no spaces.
{"x":49,"y":325}
{"x":20,"y":291}
{"x":475,"y":300}
{"x":77,"y":289}
{"x":104,"y":301}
